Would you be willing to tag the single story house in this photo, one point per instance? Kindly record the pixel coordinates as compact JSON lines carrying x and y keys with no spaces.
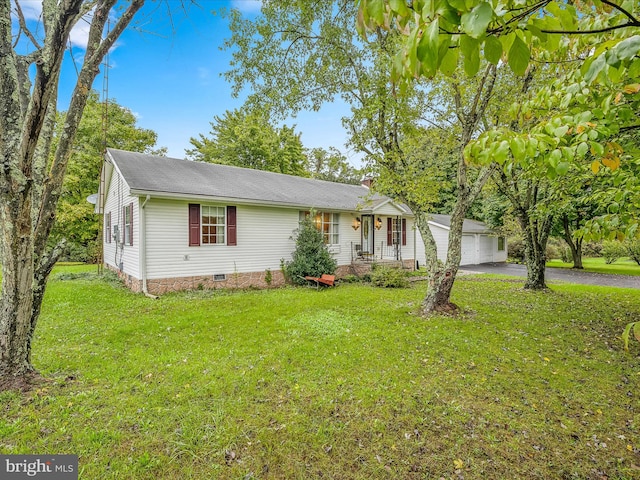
{"x":173,"y":224}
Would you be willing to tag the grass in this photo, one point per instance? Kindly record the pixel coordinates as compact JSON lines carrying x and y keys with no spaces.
{"x":344,"y":383}
{"x":623,"y":266}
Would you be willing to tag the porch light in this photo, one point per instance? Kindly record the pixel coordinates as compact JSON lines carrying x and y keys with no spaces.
{"x":378,"y":223}
{"x":356,"y":223}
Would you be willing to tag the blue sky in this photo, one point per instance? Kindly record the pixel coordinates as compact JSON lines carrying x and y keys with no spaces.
{"x":167,"y":70}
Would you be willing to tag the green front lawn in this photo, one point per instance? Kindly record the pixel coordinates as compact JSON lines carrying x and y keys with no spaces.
{"x":623,"y":266}
{"x":342,"y":383}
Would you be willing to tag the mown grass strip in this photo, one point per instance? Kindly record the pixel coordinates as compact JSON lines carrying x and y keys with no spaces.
{"x":337,"y":383}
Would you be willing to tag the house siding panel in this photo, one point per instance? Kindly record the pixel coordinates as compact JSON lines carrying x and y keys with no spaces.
{"x":263,"y":238}
{"x":116,"y":253}
{"x":441,"y":236}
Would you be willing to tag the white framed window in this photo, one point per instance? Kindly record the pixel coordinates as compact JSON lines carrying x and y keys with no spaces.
{"x":327,"y":223}
{"x":127,"y":233}
{"x":213,"y":224}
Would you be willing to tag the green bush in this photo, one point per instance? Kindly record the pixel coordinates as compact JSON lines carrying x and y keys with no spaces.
{"x":552,"y":251}
{"x":612,"y":251}
{"x":592,"y":249}
{"x":311,"y":256}
{"x":565,"y":255}
{"x":515,"y":249}
{"x":633,"y":249}
{"x":387,"y":277}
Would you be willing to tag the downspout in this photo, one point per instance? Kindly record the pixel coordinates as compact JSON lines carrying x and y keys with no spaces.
{"x":143,"y":249}
{"x":415,"y":247}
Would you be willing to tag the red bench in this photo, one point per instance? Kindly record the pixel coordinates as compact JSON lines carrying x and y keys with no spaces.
{"x":324,"y":280}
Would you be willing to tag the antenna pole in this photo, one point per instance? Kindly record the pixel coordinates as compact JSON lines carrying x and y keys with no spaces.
{"x":105,"y":130}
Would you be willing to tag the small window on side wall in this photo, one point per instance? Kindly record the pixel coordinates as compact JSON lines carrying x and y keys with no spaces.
{"x":127,"y":231}
{"x":501,"y":244}
{"x":107,"y":227}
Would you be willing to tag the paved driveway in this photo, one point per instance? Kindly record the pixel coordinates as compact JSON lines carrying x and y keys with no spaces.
{"x":563,"y":274}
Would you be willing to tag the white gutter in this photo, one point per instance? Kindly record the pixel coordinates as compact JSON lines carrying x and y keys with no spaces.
{"x":143,"y":249}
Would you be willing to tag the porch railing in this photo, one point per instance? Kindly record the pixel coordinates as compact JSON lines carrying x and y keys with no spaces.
{"x":383,"y":252}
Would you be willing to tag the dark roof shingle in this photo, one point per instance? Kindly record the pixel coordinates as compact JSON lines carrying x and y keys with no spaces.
{"x":153,"y":174}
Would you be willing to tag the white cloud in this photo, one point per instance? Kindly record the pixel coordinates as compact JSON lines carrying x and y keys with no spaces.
{"x":79,"y":35}
{"x":247,"y":6}
{"x":31,"y":9}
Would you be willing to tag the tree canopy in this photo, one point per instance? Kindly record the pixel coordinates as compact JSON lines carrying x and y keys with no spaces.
{"x":582,"y":116}
{"x":246,"y":138}
{"x":331,"y":165}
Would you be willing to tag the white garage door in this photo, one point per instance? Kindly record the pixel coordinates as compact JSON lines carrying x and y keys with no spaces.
{"x":487,"y":248}
{"x":468,"y":250}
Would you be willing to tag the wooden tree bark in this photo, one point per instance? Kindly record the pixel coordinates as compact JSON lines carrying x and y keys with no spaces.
{"x":31,"y":173}
{"x":575,"y":244}
{"x":442,"y":277}
{"x":525,"y":195}
{"x":536,"y":235}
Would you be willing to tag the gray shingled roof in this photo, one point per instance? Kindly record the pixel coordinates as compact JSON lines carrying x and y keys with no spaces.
{"x":148,"y":174}
{"x":469,"y":226}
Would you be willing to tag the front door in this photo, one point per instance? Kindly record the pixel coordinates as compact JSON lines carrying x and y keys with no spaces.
{"x":367,"y":234}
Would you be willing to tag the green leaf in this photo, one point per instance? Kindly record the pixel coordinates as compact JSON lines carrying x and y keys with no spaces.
{"x":518,"y":147}
{"x":471,"y":51}
{"x":519,"y":56}
{"x":582,"y":149}
{"x":493,"y":50}
{"x":475,"y":22}
{"x":427,"y":50}
{"x":500,"y":154}
{"x":594,"y":68}
{"x":562,"y":168}
{"x":561,"y":131}
{"x":628,"y":48}
{"x":459,"y":5}
{"x":400,"y":7}
{"x":554,"y":158}
{"x":375,"y":9}
{"x":597,"y":149}
{"x":507,"y":41}
{"x":449,"y":62}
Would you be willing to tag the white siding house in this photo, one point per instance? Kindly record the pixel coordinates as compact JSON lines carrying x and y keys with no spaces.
{"x":174,"y":224}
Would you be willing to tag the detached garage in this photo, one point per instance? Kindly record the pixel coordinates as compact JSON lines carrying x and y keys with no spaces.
{"x":480,"y":244}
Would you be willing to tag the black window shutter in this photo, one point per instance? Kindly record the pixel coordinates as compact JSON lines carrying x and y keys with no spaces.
{"x":389,"y":231}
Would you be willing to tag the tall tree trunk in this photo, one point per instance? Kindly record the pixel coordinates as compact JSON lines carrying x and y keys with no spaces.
{"x":16,"y":326}
{"x":575,"y":245}
{"x":30,"y":178}
{"x":438,"y":298}
{"x":441,"y":280}
{"x":536,"y":234}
